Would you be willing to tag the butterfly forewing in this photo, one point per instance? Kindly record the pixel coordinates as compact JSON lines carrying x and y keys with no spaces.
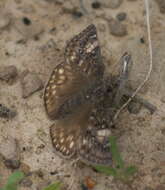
{"x":84,"y":51}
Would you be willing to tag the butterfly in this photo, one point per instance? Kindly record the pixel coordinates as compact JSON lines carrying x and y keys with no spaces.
{"x":74,"y":90}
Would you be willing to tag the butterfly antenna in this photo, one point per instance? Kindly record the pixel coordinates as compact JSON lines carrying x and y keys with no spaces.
{"x":146,"y":2}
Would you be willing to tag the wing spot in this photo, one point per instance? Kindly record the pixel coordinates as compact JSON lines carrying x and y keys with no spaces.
{"x":48,"y":101}
{"x":67,"y":152}
{"x":71,"y":145}
{"x":47,"y":94}
{"x":53,"y":87}
{"x":60,"y":81}
{"x":61,"y":71}
{"x":84,"y":141}
{"x":69,"y":138}
{"x":62,"y":140}
{"x":53,"y":92}
{"x":51,"y":81}
{"x":61,"y":134}
{"x":62,"y":77}
{"x":48,"y":87}
{"x":64,"y":149}
{"x":53,"y":76}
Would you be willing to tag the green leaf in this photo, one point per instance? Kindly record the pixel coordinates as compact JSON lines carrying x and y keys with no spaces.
{"x":115,"y":153}
{"x":129,"y":171}
{"x":13,"y":180}
{"x":106,"y":170}
{"x":54,"y":186}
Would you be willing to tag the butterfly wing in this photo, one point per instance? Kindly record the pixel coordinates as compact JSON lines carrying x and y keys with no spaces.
{"x":72,"y":81}
{"x":83,"y":50}
{"x":94,"y":145}
{"x":66,"y":133}
{"x":67,"y":89}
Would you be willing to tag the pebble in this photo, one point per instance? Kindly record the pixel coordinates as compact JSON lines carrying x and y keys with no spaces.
{"x":148,"y":188}
{"x":30,"y":83}
{"x":121,"y":16}
{"x":28,"y":28}
{"x":159,"y":156}
{"x":6,"y":112}
{"x":163,"y":99}
{"x":8,"y":73}
{"x":13,"y":164}
{"x":113,"y":4}
{"x":4,"y":21}
{"x":96,"y":5}
{"x":160,"y":187}
{"x":25,"y":168}
{"x":9,"y":149}
{"x":26,"y":182}
{"x":117,"y":29}
{"x":161,"y":4}
{"x":134,"y":107}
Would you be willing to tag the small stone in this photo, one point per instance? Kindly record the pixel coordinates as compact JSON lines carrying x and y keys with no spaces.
{"x":142,"y":40}
{"x":121,"y":16}
{"x":113,"y":4}
{"x":163,"y":131}
{"x":25,"y":168}
{"x":159,"y":156}
{"x":160,"y":187}
{"x":4,"y":21}
{"x":26,"y":21}
{"x":161,"y":4}
{"x":6,"y":112}
{"x":13,"y":164}
{"x":162,"y":179}
{"x":27,"y":28}
{"x":148,"y":188}
{"x":163,"y":99}
{"x":90,"y":183}
{"x":134,"y":107}
{"x":40,"y":173}
{"x":77,"y":14}
{"x":8,"y":73}
{"x":96,"y":5}
{"x":117,"y":29}
{"x":26,"y":182}
{"x":30,"y":83}
{"x":9,"y":149}
{"x":43,"y":184}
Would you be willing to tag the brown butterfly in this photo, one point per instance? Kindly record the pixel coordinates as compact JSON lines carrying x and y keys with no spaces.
{"x":72,"y":93}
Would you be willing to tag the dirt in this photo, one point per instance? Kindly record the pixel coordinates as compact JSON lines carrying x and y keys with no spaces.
{"x":33,"y":35}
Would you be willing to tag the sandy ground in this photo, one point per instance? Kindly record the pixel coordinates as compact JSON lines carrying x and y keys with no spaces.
{"x":38,"y":48}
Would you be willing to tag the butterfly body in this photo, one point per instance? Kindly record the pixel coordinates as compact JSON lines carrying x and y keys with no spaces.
{"x":74,"y":89}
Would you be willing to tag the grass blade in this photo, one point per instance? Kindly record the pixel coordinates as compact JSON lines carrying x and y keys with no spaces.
{"x":13,"y":180}
{"x":115,"y":153}
{"x":131,"y":170}
{"x":106,"y":170}
{"x":54,"y":186}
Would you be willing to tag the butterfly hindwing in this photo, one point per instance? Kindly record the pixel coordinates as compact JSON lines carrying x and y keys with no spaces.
{"x":66,"y":133}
